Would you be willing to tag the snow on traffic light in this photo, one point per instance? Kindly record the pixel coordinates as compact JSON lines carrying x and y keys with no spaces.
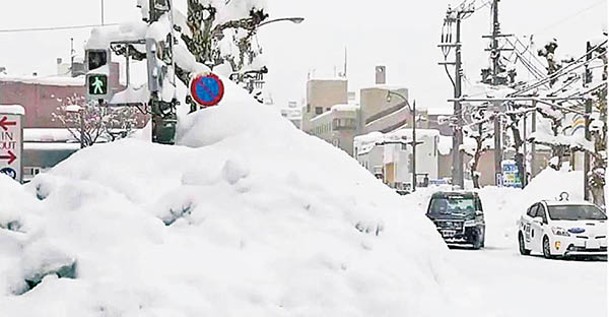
{"x":98,"y":72}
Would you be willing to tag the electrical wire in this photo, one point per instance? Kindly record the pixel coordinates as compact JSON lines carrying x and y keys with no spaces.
{"x":571,"y":16}
{"x":56,"y":28}
{"x":569,"y":68}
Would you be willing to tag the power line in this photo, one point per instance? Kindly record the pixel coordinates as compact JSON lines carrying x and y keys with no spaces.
{"x":571,"y":16}
{"x":56,"y":28}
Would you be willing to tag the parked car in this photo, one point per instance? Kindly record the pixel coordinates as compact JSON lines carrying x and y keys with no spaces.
{"x":459,"y":218}
{"x":563,"y":228}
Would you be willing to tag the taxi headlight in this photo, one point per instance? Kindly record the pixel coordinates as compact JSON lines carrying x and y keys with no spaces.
{"x":469,"y":223}
{"x":560,"y":231}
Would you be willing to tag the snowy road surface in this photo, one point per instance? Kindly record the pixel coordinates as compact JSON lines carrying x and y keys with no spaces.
{"x":509,"y":284}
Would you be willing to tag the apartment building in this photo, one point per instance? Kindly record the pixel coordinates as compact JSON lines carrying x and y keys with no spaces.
{"x":337,"y":126}
{"x":322,"y":94}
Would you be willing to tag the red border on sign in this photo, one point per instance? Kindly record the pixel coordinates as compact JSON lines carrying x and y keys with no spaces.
{"x":203,"y":103}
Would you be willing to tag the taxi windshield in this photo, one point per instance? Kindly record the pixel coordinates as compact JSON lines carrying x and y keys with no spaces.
{"x":576,"y":212}
{"x":452,"y":205}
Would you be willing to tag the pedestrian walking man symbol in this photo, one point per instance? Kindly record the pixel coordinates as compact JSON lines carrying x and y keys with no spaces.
{"x":98,"y":84}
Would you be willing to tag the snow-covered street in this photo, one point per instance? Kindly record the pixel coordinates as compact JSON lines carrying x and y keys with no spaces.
{"x":510,"y":284}
{"x":498,"y":281}
{"x":168,"y":169}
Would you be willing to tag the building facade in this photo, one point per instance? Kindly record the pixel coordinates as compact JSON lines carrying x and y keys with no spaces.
{"x":337,"y":126}
{"x":392,"y":161}
{"x":322,"y":94}
{"x":42,"y":95}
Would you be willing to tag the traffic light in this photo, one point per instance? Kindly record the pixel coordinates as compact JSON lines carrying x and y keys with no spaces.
{"x":97,"y":74}
{"x":97,"y":84}
{"x":96,"y":58}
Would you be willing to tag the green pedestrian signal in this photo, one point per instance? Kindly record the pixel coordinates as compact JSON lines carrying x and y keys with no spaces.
{"x":97,"y":84}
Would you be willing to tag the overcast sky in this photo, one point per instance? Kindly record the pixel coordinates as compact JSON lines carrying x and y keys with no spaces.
{"x":401,"y":34}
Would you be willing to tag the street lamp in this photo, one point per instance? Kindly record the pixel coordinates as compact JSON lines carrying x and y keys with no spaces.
{"x":414,"y":133}
{"x":295,"y":20}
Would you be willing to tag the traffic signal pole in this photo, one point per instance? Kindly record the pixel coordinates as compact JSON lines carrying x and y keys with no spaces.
{"x":163,"y":113}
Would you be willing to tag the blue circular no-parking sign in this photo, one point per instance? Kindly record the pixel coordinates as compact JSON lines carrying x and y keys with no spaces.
{"x":9,"y":171}
{"x":207,"y":89}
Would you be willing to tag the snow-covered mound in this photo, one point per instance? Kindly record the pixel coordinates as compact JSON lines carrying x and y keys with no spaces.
{"x":246,"y":217}
{"x":504,"y":206}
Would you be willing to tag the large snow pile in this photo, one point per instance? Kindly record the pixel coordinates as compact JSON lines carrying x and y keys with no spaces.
{"x":246,"y":217}
{"x":504,"y":206}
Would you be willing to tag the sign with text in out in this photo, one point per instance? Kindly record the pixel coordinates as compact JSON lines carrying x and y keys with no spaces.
{"x":206,"y":89}
{"x":11,"y":141}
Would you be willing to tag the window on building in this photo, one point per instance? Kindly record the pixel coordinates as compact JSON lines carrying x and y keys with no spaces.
{"x":319,"y":110}
{"x":308,"y":108}
{"x":343,"y":123}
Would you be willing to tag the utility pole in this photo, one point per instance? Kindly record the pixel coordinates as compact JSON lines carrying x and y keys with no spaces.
{"x":456,"y":16}
{"x":414,"y":146}
{"x":533,"y":149}
{"x":525,"y":179}
{"x":588,"y":109}
{"x":458,"y":136}
{"x":495,"y":51}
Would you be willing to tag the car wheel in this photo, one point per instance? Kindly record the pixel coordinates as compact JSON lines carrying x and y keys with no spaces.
{"x":546,"y":248}
{"x":521,"y":247}
{"x":477,"y":241}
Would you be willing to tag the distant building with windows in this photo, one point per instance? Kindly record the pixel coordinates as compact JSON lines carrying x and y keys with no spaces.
{"x":42,"y":95}
{"x":322,"y":94}
{"x":292,"y":112}
{"x":393,"y":162}
{"x":337,"y":126}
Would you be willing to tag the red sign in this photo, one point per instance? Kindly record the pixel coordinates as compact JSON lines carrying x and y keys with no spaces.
{"x":9,"y":156}
{"x":4,"y":123}
{"x":11,"y":141}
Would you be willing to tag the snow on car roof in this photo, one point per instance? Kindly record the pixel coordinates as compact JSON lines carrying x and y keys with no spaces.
{"x":454,"y":192}
{"x":566,"y":202}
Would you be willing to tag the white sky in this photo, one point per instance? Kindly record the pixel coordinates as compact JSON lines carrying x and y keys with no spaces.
{"x":401,"y":34}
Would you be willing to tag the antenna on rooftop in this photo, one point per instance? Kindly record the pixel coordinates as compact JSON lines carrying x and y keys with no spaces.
{"x":345,"y":66}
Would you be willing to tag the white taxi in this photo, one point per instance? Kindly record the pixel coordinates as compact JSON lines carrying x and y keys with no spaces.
{"x":563,"y":228}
